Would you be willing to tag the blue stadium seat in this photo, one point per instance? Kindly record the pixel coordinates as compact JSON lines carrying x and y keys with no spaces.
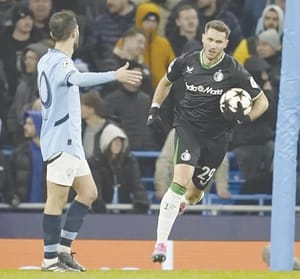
{"x":146,"y":160}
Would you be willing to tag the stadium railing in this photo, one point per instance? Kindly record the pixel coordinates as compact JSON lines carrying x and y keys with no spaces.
{"x":147,"y":161}
{"x":155,"y":207}
{"x":211,"y":202}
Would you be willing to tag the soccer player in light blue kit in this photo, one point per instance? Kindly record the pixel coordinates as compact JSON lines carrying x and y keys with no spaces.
{"x":61,"y":145}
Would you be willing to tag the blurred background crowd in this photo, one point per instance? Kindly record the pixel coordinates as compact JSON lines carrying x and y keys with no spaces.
{"x":149,"y":35}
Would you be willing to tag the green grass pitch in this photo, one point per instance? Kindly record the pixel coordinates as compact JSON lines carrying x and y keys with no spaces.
{"x":148,"y":274}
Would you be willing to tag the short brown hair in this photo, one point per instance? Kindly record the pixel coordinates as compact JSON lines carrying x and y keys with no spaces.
{"x":92,"y":99}
{"x":62,"y":24}
{"x":219,"y":26}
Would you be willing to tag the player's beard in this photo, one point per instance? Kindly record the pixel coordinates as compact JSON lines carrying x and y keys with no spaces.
{"x":211,"y":55}
{"x":212,"y":58}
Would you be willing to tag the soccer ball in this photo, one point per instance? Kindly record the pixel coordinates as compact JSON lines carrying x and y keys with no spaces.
{"x":231,"y":98}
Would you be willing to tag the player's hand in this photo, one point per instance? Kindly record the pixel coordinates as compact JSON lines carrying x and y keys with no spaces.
{"x":237,"y":116}
{"x":154,"y":120}
{"x":128,"y":76}
{"x":228,"y":114}
{"x":241,"y":118}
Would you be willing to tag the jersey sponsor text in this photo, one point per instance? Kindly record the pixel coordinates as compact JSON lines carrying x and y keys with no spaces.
{"x":202,"y":89}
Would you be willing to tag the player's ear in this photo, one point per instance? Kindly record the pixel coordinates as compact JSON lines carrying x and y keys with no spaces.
{"x":203,"y":38}
{"x":226,"y":43}
{"x":51,"y":35}
{"x":73,"y":34}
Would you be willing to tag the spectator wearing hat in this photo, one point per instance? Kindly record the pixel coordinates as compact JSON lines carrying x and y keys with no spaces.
{"x":272,"y":18}
{"x":268,"y":43}
{"x":264,"y":44}
{"x":268,"y":46}
{"x":158,"y":53}
{"x":13,"y":39}
{"x":116,"y":173}
{"x":26,"y":93}
{"x":26,"y":168}
{"x":164,"y":8}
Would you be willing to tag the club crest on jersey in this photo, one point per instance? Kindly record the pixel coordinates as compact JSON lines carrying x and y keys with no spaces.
{"x":67,"y":64}
{"x":185,"y":156}
{"x":189,"y":69}
{"x":218,"y":76}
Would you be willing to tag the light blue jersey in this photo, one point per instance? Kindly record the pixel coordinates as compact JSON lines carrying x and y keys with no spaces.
{"x":58,"y":83}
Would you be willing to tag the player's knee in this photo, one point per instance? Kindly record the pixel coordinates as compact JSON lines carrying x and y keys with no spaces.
{"x":193,"y":196}
{"x":88,"y":197}
{"x":55,"y":204}
{"x":94,"y":195}
{"x":182,"y":181}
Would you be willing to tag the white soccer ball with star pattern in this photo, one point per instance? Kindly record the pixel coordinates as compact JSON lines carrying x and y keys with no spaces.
{"x":232,"y":97}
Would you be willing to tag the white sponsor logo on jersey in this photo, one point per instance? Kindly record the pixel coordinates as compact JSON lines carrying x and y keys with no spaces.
{"x":202,"y":89}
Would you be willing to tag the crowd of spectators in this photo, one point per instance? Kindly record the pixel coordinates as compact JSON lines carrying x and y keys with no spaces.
{"x":148,"y":35}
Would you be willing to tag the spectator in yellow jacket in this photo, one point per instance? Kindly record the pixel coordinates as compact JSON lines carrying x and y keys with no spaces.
{"x":158,"y":53}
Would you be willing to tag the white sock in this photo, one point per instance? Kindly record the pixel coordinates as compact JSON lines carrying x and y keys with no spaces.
{"x":168,"y":212}
{"x":184,"y":200}
{"x":48,"y":262}
{"x":64,"y":249}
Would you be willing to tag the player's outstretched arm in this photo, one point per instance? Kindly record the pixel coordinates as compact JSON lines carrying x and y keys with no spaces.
{"x":129,"y":76}
{"x":90,"y":79}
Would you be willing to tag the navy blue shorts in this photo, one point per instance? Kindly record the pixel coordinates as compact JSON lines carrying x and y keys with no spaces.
{"x":204,"y":153}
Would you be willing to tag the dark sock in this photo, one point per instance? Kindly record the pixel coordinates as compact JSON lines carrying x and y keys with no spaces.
{"x":74,"y":220}
{"x":51,"y":227}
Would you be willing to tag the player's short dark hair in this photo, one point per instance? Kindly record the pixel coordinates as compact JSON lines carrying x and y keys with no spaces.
{"x":62,"y":24}
{"x":219,"y":26}
{"x":92,"y":99}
